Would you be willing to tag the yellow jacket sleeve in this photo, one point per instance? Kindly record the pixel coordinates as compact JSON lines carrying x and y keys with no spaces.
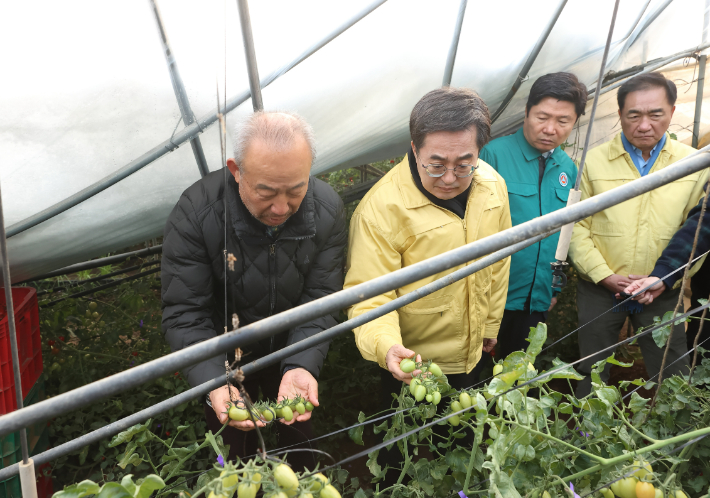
{"x":585,"y":256}
{"x":499,"y":282}
{"x":370,"y":255}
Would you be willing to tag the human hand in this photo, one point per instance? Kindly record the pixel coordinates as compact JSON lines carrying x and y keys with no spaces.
{"x":553,"y":302}
{"x":615,"y":283}
{"x":647,"y":297}
{"x":220,"y":404}
{"x":299,"y":382}
{"x":394,"y":356}
{"x":489,"y":344}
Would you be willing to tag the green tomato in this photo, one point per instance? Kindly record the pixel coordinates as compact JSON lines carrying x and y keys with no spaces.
{"x":329,"y":491}
{"x":645,"y":490}
{"x":429,"y":398}
{"x":285,"y":477}
{"x":644,"y":468}
{"x":267,"y":414}
{"x":625,"y":488}
{"x":287,"y":413}
{"x":413,"y":385}
{"x":229,"y":481}
{"x":279,"y":412}
{"x":606,"y":493}
{"x":238,"y":414}
{"x":419,"y":392}
{"x":456,"y":406}
{"x":545,"y":494}
{"x":407,"y":365}
{"x":497,"y":369}
{"x":436,"y":370}
{"x":455,"y":420}
{"x":93,"y":306}
{"x":246,"y":490}
{"x":318,"y":483}
{"x":300,"y":408}
{"x":309,"y":406}
{"x":277,"y":494}
{"x":680,"y":494}
{"x":465,"y":400}
{"x":659,"y":493}
{"x":437,"y":397}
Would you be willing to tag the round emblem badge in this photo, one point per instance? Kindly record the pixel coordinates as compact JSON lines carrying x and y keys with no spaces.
{"x":563,"y":179}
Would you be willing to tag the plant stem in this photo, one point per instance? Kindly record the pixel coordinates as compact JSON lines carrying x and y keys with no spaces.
{"x":601,"y":460}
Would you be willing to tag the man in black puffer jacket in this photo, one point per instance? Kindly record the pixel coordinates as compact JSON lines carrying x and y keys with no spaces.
{"x":287,"y":236}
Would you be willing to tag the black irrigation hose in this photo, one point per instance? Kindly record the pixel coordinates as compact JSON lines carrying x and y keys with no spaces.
{"x":102,"y":287}
{"x":100,"y":277}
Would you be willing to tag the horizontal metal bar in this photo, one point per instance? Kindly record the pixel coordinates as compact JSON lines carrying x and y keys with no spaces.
{"x":88,"y":292}
{"x":178,"y":139}
{"x":272,"y":325}
{"x":79,"y":283}
{"x":271,"y":359}
{"x":97,"y":263}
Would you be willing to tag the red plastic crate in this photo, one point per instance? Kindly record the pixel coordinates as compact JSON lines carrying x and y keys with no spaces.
{"x":29,"y":346}
{"x":45,"y":486}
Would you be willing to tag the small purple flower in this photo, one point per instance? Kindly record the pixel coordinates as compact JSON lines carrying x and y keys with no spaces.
{"x":159,"y":425}
{"x":462,"y":494}
{"x":584,"y":434}
{"x":220,"y":460}
{"x":571,"y":487}
{"x":141,"y":323}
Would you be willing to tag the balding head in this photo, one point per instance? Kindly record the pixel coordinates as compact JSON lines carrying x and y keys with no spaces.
{"x":278,"y":131}
{"x":273,"y":154}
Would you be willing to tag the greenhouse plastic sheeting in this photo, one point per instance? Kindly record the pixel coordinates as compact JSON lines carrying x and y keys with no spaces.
{"x":86,"y":90}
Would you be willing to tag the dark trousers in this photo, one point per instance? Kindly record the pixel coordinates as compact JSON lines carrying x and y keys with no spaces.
{"x":244,"y":444}
{"x":389,"y":386}
{"x":700,"y":288}
{"x":601,"y":330}
{"x":514,"y":330}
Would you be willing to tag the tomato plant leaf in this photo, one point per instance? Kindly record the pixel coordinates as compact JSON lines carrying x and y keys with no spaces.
{"x":637,"y":403}
{"x":355,"y":434}
{"x":113,"y":490}
{"x":79,"y":490}
{"x":128,"y":434}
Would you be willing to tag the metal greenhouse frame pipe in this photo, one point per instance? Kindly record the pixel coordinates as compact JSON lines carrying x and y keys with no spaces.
{"x":188,"y":117}
{"x":179,"y":138}
{"x":272,"y":325}
{"x":250,"y":55}
{"x":451,"y":58}
{"x":98,"y":263}
{"x":326,"y":335}
{"x":529,"y":62}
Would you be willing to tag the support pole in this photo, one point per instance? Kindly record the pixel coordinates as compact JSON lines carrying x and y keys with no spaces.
{"x":522,"y":76}
{"x":451,"y":58}
{"x":701,"y":78}
{"x":29,"y":487}
{"x":559,"y":279}
{"x":254,"y":85}
{"x":188,"y":117}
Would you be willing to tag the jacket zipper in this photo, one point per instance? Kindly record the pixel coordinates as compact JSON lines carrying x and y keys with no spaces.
{"x":272,"y":286}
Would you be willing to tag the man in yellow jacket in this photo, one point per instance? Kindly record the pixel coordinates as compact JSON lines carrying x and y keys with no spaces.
{"x":440,"y":197}
{"x":622,"y":243}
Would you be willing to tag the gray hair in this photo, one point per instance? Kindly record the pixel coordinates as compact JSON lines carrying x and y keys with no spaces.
{"x":450,"y":109}
{"x":277,"y":129}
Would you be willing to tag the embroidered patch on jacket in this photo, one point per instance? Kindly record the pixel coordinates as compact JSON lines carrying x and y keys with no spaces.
{"x":563,"y":179}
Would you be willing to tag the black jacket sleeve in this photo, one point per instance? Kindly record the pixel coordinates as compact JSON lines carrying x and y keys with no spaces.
{"x":677,"y":253}
{"x":325,"y":277}
{"x":187,"y":297}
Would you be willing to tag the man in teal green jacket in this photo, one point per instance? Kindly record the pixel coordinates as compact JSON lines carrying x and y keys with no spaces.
{"x":539,"y":176}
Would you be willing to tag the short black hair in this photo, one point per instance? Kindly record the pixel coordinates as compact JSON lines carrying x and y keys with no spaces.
{"x":450,"y":109}
{"x":644,"y":82}
{"x":560,"y":86}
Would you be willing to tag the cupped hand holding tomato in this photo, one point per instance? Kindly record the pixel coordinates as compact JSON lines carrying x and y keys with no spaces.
{"x":394,"y":356}
{"x":299,"y":382}
{"x":220,"y":401}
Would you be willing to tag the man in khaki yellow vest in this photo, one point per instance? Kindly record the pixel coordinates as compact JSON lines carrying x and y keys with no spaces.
{"x":440,"y":197}
{"x":612,"y":248}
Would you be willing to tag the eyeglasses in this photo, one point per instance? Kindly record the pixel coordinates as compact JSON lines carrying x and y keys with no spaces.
{"x":439,"y":170}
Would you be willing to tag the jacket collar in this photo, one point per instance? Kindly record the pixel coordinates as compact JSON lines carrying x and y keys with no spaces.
{"x":412,"y":196}
{"x":529,"y":152}
{"x":616,"y":147}
{"x":300,"y":225}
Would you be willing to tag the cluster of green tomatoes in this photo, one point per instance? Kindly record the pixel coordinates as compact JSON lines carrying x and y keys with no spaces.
{"x":276,"y":480}
{"x":429,"y":383}
{"x":266,"y":411}
{"x":639,"y":485}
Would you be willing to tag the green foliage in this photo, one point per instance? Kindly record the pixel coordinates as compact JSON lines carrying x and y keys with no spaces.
{"x":516,"y":441}
{"x":85,"y":340}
